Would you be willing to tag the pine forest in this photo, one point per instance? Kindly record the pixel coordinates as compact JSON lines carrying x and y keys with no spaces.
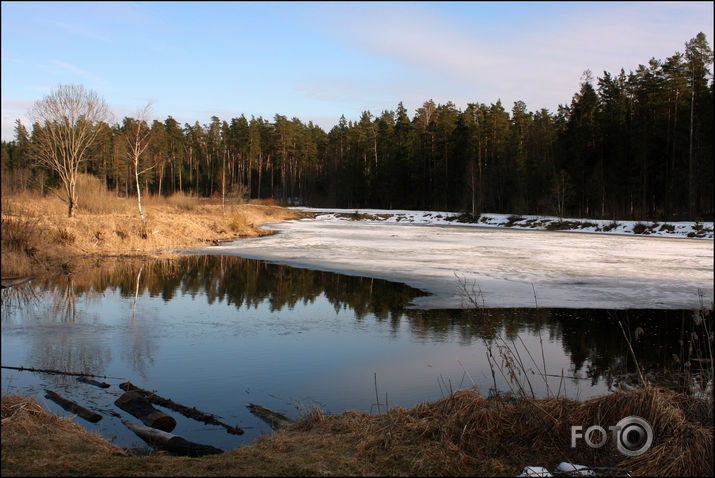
{"x":636,"y":145}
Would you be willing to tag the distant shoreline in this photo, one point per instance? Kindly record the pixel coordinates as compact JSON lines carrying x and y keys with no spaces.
{"x":673,"y":229}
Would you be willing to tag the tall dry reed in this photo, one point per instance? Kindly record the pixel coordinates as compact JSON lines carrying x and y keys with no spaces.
{"x":94,"y":198}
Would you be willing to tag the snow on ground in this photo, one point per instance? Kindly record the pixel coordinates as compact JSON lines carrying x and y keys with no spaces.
{"x":429,"y":252}
{"x":689,"y":229}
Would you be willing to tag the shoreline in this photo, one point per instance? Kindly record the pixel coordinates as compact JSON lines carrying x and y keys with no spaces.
{"x":462,"y":435}
{"x":671,"y":229}
{"x":39,"y":239}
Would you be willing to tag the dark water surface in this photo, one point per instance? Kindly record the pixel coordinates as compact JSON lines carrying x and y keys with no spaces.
{"x":220,"y":332}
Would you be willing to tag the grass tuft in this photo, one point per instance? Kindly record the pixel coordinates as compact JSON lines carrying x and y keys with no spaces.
{"x":20,"y":234}
{"x":182,"y":201}
{"x":236,"y":221}
{"x":94,"y":198}
{"x":64,"y":236}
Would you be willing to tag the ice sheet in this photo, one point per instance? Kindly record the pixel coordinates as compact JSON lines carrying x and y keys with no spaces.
{"x":566,"y":269}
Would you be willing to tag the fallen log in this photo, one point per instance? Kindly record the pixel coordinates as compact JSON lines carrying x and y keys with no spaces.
{"x":169,"y":442}
{"x":73,"y":407}
{"x":13,"y":281}
{"x":85,"y":379}
{"x":137,"y":405}
{"x":57,"y":372}
{"x":274,"y":419}
{"x":192,"y":413}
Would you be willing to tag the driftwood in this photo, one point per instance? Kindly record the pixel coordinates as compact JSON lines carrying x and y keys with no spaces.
{"x":137,"y":405}
{"x":192,"y":413}
{"x":90,"y":381}
{"x":73,"y":407}
{"x":169,"y":442}
{"x":13,"y":281}
{"x":57,"y":372}
{"x":274,"y":419}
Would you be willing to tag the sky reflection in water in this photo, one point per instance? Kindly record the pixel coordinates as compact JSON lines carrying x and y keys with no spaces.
{"x":219,"y":332}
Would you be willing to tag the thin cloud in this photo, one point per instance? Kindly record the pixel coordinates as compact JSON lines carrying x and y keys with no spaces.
{"x":57,"y":66}
{"x":432,"y":47}
{"x":347,"y":90}
{"x":83,"y":32}
{"x":546,"y":62}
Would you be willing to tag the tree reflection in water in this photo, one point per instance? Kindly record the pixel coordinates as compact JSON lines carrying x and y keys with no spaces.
{"x":140,"y":349}
{"x":64,"y":345}
{"x":591,"y":338}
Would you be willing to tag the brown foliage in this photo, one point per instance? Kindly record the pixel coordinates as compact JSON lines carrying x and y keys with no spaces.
{"x":464,"y":434}
{"x":38,"y":237}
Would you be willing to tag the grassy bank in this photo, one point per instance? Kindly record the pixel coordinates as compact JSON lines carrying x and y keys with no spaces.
{"x":464,"y":434}
{"x":38,"y":238}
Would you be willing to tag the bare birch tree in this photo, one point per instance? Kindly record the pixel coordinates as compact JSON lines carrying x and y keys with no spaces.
{"x":138,"y":135}
{"x":67,"y":124}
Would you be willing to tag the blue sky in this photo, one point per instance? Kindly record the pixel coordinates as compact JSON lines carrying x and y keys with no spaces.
{"x":317,"y":61}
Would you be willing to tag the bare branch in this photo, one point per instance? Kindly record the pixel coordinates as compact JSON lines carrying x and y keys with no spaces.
{"x":138,"y":136}
{"x":65,"y":125}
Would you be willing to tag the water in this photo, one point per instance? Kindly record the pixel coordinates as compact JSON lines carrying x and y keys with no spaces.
{"x":220,"y":332}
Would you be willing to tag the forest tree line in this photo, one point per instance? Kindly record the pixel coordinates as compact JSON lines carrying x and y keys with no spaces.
{"x":635,"y":145}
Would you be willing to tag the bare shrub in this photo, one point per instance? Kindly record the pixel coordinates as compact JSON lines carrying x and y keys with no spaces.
{"x":468,"y":218}
{"x":265,"y":202}
{"x":639,"y":228}
{"x":64,"y":236}
{"x":586,"y":224}
{"x":511,"y":220}
{"x":236,"y":194}
{"x":183,"y":201}
{"x":561,"y":225}
{"x":93,"y":196}
{"x":20,"y":235}
{"x":154,"y":200}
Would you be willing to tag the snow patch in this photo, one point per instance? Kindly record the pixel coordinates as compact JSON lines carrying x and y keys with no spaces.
{"x":430,"y":252}
{"x":683,"y":229}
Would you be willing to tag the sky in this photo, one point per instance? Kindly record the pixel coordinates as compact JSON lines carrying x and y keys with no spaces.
{"x":318,"y":61}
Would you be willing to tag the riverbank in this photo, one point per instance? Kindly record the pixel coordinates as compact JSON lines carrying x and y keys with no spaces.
{"x":674,"y":229}
{"x":38,"y":239}
{"x":464,"y":434}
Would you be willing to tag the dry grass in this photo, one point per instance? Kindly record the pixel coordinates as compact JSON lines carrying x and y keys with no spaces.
{"x":180,"y":200}
{"x":467,"y":434}
{"x":464,"y":434}
{"x":93,"y":197}
{"x":38,"y":238}
{"x":31,"y":438}
{"x":265,"y":202}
